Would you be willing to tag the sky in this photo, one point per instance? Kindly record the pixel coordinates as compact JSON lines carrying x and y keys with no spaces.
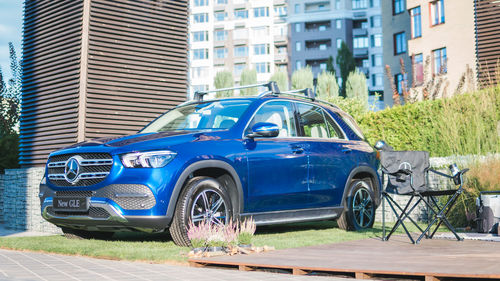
{"x":11,"y":20}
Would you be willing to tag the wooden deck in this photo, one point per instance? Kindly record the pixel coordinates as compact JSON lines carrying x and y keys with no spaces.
{"x":436,"y":259}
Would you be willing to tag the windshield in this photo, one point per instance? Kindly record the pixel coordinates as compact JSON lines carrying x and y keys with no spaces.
{"x":200,"y":116}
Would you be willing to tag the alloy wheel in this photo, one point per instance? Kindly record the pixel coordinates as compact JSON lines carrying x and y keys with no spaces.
{"x":362,"y":206}
{"x":209,"y":206}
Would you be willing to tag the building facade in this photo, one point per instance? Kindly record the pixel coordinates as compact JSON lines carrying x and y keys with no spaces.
{"x":318,"y":28}
{"x":487,"y":22}
{"x":94,"y":68}
{"x":396,"y":32}
{"x":233,"y":35}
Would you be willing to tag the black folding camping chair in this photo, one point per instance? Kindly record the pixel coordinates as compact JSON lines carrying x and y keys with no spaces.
{"x":407,"y":174}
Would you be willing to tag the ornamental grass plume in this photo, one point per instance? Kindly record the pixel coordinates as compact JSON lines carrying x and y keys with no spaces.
{"x":198,"y":234}
{"x":216,"y":235}
{"x":247,"y":230}
{"x":231,"y":231}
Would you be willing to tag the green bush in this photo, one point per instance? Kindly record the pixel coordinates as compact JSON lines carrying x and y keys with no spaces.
{"x":224,"y":79}
{"x":461,"y":125}
{"x":281,"y":78}
{"x":302,"y":78}
{"x":9,"y":148}
{"x":248,"y":77}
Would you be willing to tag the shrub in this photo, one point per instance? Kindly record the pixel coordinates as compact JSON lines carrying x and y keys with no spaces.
{"x":327,"y":86}
{"x":302,"y":78}
{"x":461,"y":125}
{"x":223,"y":79}
{"x":356,"y":86}
{"x":281,"y":78}
{"x":248,"y":77}
{"x":9,"y":148}
{"x":247,"y":230}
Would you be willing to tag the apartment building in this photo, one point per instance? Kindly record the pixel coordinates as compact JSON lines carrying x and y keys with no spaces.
{"x":396,"y":32}
{"x":233,"y":35}
{"x":318,"y":28}
{"x":487,"y":23}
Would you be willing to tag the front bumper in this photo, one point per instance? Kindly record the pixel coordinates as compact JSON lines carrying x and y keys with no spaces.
{"x":104,"y":214}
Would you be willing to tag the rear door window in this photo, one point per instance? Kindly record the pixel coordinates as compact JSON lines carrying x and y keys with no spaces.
{"x":312,"y":121}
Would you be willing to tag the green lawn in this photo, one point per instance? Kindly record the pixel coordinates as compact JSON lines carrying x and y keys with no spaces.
{"x":160,"y":248}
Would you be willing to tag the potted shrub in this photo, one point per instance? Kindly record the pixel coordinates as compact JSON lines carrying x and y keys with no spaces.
{"x":246,"y":232}
{"x":198,"y":235}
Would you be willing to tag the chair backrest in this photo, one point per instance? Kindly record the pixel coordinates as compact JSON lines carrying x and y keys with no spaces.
{"x":415,"y":161}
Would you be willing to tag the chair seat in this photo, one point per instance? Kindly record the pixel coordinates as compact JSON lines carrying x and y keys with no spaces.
{"x":427,"y":193}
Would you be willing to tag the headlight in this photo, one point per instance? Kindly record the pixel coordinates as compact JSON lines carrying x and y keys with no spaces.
{"x":151,"y":159}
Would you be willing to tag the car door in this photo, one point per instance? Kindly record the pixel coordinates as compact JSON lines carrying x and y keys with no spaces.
{"x":277,"y":166}
{"x":330,"y":160}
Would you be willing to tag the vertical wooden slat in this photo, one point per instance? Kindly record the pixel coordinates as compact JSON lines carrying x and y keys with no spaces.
{"x":487,"y":25}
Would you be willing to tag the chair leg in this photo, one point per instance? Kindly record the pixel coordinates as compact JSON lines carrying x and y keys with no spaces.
{"x":400,"y":221}
{"x":383,"y":217}
{"x":442,"y":217}
{"x":409,"y":212}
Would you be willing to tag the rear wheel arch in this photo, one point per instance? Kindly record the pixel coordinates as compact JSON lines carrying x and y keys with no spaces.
{"x":217,"y":169}
{"x":362,"y":173}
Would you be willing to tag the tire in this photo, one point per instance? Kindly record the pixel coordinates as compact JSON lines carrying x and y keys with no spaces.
{"x":191,"y":206}
{"x":82,"y":234}
{"x":359,"y":213}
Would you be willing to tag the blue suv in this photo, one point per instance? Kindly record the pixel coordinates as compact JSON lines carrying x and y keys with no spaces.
{"x":276,"y":157}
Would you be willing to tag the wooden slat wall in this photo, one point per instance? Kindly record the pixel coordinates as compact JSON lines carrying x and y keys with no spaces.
{"x":50,"y":81}
{"x":131,"y":56}
{"x":137,"y":65}
{"x":487,"y":17}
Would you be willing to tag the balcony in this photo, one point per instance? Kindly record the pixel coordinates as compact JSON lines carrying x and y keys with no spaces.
{"x":361,"y":32}
{"x":360,"y":52}
{"x":279,"y":2}
{"x":358,"y":15}
{"x":280,"y":39}
{"x":281,"y":58}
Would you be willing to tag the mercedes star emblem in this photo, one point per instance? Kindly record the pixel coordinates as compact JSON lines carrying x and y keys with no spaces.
{"x":72,"y":170}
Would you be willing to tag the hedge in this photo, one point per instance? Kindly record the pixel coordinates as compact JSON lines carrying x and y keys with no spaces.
{"x":461,"y":125}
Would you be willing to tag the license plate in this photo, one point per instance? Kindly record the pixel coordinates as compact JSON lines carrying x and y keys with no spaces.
{"x":71,"y":204}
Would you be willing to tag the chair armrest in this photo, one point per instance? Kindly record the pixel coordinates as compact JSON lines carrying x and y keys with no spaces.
{"x":441,"y":174}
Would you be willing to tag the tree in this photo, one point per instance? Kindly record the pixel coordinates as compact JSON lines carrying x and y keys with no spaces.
{"x":248,"y":77}
{"x":10,"y":104}
{"x":281,"y":78}
{"x":327,"y":88}
{"x":356,"y":86}
{"x":346,"y":63}
{"x":302,"y":78}
{"x":223,"y":79}
{"x":329,"y":66}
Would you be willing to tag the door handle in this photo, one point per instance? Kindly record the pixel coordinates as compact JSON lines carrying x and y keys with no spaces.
{"x":297,"y":149}
{"x":346,"y":150}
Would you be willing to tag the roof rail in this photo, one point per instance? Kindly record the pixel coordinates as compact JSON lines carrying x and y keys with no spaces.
{"x":272,"y":86}
{"x":307,"y":93}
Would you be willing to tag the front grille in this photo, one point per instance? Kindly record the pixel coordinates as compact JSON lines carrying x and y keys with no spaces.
{"x":93,"y":212}
{"x":94,"y":168}
{"x":129,"y":196}
{"x":74,"y":193}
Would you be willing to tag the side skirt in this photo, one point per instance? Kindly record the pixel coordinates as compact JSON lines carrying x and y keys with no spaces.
{"x":290,"y":216}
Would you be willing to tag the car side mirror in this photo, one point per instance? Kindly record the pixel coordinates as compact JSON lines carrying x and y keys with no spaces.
{"x":265,"y":130}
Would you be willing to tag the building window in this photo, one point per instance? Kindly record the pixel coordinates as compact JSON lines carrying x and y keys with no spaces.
{"x":221,"y":1}
{"x":374,"y":3}
{"x":377,"y":79}
{"x":376,"y":21}
{"x":281,"y":50}
{"x":338,"y":24}
{"x":220,"y":16}
{"x":398,"y":78}
{"x":261,"y":49}
{"x":298,"y":65}
{"x":280,"y":11}
{"x":199,"y":3}
{"x":200,"y":54}
{"x":322,"y":66}
{"x":418,"y":69}
{"x":260,"y":32}
{"x":240,"y":14}
{"x":360,"y":42}
{"x":377,"y":60}
{"x":220,"y":35}
{"x":439,"y":60}
{"x":280,"y":30}
{"x":399,"y":43}
{"x":199,"y":72}
{"x":238,"y":69}
{"x":297,"y":46}
{"x":337,"y":4}
{"x":398,"y":6}
{"x":366,"y":63}
{"x":416,"y":22}
{"x":241,"y":51}
{"x":297,"y":8}
{"x":200,"y":36}
{"x":262,"y":67}
{"x":437,"y":12}
{"x":376,"y":40}
{"x":200,"y":18}
{"x":339,"y":43}
{"x":261,"y":12}
{"x":297,"y":27}
{"x":359,"y":4}
{"x":220,"y":53}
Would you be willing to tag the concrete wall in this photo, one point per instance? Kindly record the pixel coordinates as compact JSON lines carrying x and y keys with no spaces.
{"x":19,"y":202}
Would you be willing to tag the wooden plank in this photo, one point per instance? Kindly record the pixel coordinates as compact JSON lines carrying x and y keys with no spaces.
{"x":298,"y":271}
{"x":362,"y":275}
{"x":245,"y":268}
